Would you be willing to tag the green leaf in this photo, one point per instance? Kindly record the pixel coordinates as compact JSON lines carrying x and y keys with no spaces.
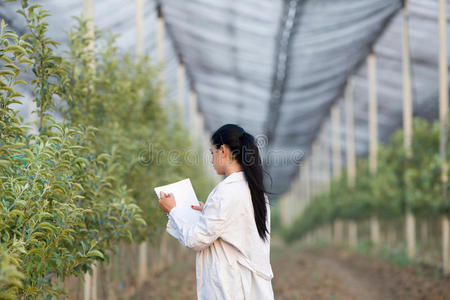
{"x":47,"y":226}
{"x":95,"y":253}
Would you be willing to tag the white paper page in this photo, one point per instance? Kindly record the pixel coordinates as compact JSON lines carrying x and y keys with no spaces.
{"x":184,"y":197}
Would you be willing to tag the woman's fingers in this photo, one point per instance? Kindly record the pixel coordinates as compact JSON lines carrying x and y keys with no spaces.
{"x":165,"y":195}
{"x":199,"y":208}
{"x":167,"y":201}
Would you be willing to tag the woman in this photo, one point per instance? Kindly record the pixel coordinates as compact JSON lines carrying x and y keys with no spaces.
{"x":232,"y":237}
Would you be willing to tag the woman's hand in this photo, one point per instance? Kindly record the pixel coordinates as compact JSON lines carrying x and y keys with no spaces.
{"x":199,"y":207}
{"x":166,"y":202}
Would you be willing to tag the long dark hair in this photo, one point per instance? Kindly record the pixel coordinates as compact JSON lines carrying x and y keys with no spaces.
{"x":245,"y":150}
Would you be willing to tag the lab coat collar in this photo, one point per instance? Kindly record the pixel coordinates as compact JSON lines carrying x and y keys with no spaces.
{"x":235,"y":176}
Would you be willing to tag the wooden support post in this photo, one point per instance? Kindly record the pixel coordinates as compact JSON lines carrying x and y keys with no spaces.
{"x":181,"y":87}
{"x":142,"y":268}
{"x":139,"y":38}
{"x":302,"y":193}
{"x":291,"y":200}
{"x":351,"y":158}
{"x":443,"y":118}
{"x":314,"y":169}
{"x":326,"y":160}
{"x":160,"y":58}
{"x":298,"y":205}
{"x":406,"y":70}
{"x":142,"y":273}
{"x":326,"y":175}
{"x":94,"y":281}
{"x":336,"y":130}
{"x":306,"y":173}
{"x":143,"y":265}
{"x":446,"y":244}
{"x":337,"y":164}
{"x":411,"y":234}
{"x":373,"y":133}
{"x":294,"y":200}
{"x":87,"y":286}
{"x":296,"y":197}
{"x":410,"y":229}
{"x":373,"y":113}
{"x":287,"y":207}
{"x":160,"y":32}
{"x":320,"y":168}
{"x":301,"y":201}
{"x":88,"y":13}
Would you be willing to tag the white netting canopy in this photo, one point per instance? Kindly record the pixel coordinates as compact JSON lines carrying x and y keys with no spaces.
{"x":277,"y":67}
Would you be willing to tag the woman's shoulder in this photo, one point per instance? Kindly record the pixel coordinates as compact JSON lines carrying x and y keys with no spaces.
{"x":224,"y":190}
{"x":231,"y":186}
{"x":231,"y":194}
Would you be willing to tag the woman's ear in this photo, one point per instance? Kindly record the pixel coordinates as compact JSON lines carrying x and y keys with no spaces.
{"x":225,"y":151}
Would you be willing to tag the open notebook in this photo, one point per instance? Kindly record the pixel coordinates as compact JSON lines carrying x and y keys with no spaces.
{"x":184,"y":197}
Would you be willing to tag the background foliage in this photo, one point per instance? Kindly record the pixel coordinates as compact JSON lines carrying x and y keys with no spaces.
{"x":400,"y":183}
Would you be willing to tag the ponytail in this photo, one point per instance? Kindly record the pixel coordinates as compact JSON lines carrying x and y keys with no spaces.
{"x":245,"y":150}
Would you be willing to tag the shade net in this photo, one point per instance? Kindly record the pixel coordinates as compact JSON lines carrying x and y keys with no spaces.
{"x":277,"y":67}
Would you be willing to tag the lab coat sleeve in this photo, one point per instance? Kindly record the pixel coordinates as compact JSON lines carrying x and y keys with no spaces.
{"x":172,"y":229}
{"x":213,"y":221}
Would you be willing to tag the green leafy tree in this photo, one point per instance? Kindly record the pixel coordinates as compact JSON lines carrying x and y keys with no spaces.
{"x":71,"y":192}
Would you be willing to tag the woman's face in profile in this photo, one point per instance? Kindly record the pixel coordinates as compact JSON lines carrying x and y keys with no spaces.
{"x":217,"y":159}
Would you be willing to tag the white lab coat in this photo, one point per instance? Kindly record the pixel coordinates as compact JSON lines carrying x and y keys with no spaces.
{"x":232,"y":261}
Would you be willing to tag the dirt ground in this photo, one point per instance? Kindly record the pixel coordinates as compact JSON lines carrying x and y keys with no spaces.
{"x":339,"y":274}
{"x":316,"y":274}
